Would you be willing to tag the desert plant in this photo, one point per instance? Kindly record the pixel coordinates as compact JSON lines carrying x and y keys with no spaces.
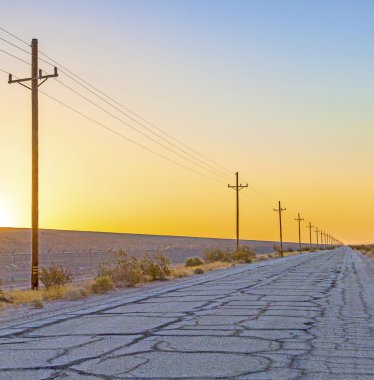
{"x":198,"y":271}
{"x":194,"y":262}
{"x":289,"y":249}
{"x":215,"y":254}
{"x":124,"y":270}
{"x":102,"y":284}
{"x":54,"y":275}
{"x":157,"y":267}
{"x":244,"y":255}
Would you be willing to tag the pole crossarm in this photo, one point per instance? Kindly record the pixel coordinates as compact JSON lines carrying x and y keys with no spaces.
{"x":39,"y":77}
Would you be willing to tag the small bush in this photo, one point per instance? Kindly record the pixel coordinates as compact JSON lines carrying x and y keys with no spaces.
{"x":157,"y":268}
{"x":54,"y":275}
{"x":212,"y":255}
{"x":198,"y":271}
{"x":289,"y":249}
{"x":102,"y":284}
{"x":124,"y":270}
{"x":244,"y":255}
{"x":194,"y":262}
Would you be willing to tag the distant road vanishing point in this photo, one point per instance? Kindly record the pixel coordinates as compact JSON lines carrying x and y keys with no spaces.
{"x":307,"y":316}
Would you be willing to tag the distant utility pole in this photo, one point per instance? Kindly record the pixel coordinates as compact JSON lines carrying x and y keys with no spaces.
{"x":280,"y":210}
{"x":299,"y":219}
{"x":237,"y":188}
{"x":322,"y":243}
{"x":310,"y":234}
{"x":317,"y":233}
{"x":36,"y":76}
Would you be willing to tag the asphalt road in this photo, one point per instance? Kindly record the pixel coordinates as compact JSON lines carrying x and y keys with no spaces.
{"x":303,"y":317}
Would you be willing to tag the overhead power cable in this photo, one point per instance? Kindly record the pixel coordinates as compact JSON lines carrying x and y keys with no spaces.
{"x":213,"y":168}
{"x":128,"y":139}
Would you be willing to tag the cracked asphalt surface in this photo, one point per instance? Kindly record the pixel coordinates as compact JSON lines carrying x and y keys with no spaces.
{"x":306,"y":316}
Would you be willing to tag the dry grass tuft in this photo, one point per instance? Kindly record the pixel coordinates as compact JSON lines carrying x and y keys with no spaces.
{"x":181,"y":270}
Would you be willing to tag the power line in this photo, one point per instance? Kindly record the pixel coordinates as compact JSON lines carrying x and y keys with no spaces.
{"x":128,"y":139}
{"x":143,"y":126}
{"x":14,"y":36}
{"x":118,"y":109}
{"x":14,"y":56}
{"x":213,"y":171}
{"x":14,"y":45}
{"x":136,"y":130}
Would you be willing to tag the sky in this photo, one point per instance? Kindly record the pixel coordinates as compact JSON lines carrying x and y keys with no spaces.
{"x":280,"y":91}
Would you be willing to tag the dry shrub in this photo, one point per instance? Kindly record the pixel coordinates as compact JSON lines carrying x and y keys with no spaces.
{"x":262,"y":258}
{"x":54,"y":275}
{"x":244,"y":255}
{"x":124,"y":271}
{"x":215,"y":254}
{"x":156,"y":268}
{"x":128,"y":270}
{"x":198,"y":271}
{"x":102,"y":284}
{"x":194,"y":262}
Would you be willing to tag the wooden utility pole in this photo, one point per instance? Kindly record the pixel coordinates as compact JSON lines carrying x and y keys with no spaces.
{"x":36,"y":76}
{"x":237,"y":188}
{"x":317,"y":232}
{"x":310,"y":234}
{"x":299,"y":219}
{"x":280,"y":210}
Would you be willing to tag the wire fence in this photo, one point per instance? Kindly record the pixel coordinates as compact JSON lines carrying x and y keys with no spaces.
{"x":15,"y":267}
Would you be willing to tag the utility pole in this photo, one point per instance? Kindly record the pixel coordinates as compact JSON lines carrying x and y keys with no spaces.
{"x":322,"y":243}
{"x":237,"y":188}
{"x":36,"y":76}
{"x":280,"y":210}
{"x":310,"y":234}
{"x":317,"y":233}
{"x":299,"y":219}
